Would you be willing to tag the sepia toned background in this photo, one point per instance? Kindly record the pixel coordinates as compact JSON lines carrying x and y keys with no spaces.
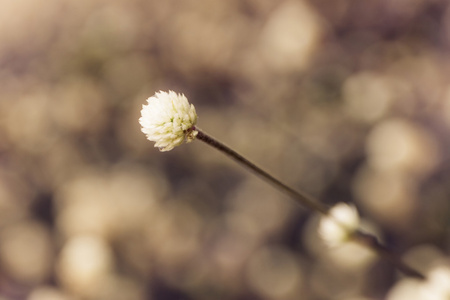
{"x":347,"y":100}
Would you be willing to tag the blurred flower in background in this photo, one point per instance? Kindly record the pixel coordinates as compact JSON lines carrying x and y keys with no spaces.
{"x":338,"y":226}
{"x":348,"y":100}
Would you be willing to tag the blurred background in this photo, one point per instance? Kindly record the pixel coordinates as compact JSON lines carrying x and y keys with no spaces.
{"x":347,"y":100}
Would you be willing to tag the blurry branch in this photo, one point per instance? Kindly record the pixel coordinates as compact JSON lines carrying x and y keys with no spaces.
{"x":372,"y":242}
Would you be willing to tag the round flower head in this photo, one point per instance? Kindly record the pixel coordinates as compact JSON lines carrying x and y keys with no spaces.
{"x":340,"y":223}
{"x":168,"y":120}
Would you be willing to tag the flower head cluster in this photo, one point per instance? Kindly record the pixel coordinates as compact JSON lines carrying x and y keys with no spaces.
{"x":168,"y":120}
{"x":340,"y":223}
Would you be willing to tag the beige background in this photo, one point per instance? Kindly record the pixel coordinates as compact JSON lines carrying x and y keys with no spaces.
{"x":347,"y":100}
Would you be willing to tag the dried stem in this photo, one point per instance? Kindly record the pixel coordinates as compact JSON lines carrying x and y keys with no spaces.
{"x":301,"y":198}
{"x":304,"y":200}
{"x":372,"y":242}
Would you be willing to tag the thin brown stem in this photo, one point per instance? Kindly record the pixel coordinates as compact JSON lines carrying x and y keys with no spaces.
{"x":304,"y":200}
{"x":299,"y":197}
{"x":372,"y":242}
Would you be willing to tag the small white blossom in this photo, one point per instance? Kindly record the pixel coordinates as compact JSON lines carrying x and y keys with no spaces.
{"x":168,"y":120}
{"x":340,"y":223}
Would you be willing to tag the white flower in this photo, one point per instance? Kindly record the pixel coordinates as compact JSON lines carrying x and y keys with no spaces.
{"x":168,"y":120}
{"x":340,"y":223}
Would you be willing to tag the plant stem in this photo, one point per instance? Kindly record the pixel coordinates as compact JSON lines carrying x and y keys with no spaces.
{"x":305,"y":200}
{"x":299,"y":197}
{"x":372,"y":242}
